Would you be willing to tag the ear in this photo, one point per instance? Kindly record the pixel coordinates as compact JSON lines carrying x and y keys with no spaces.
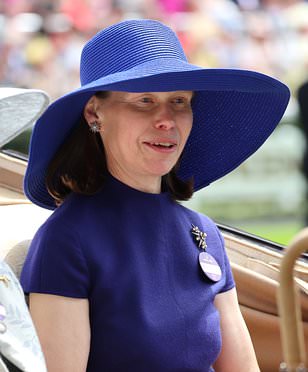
{"x":90,"y":110}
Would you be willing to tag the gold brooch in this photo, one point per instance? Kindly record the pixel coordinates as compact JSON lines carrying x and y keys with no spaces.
{"x":199,"y":236}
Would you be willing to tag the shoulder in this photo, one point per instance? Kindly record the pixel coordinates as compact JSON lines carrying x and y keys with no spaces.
{"x":59,"y":233}
{"x":74,"y":213}
{"x":198,"y":216}
{"x":205,"y":224}
{"x":56,"y":259}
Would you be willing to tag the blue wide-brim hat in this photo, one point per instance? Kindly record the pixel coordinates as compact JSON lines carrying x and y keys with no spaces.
{"x":234,"y":111}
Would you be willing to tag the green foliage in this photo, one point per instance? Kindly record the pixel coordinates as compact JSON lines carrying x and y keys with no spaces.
{"x":278,"y":231}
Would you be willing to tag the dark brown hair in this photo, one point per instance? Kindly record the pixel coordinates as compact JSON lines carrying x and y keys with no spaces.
{"x":80,"y":166}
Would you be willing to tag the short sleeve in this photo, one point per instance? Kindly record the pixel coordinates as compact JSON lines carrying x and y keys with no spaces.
{"x":229,"y":280}
{"x":55,"y":263}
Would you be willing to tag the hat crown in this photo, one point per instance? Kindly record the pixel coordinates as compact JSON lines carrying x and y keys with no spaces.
{"x":126,"y":45}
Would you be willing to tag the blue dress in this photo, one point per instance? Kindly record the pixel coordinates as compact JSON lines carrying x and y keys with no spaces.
{"x":132,"y":255}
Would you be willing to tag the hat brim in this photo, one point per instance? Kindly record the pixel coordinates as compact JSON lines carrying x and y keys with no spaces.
{"x":234,"y":113}
{"x":19,"y":109}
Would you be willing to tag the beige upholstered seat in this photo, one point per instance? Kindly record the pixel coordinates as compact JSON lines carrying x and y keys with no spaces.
{"x":16,"y":256}
{"x":19,"y":223}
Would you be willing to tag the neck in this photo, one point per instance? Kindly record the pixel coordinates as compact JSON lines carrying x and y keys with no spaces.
{"x":148,"y":184}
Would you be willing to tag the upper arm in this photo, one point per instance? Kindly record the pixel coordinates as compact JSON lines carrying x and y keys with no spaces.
{"x":237,"y":352}
{"x":63,"y":327}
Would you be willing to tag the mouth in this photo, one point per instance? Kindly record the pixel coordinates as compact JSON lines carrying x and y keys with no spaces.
{"x":168,"y":145}
{"x":162,"y":146}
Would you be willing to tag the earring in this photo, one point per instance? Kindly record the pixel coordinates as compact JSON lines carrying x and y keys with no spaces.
{"x":95,"y":127}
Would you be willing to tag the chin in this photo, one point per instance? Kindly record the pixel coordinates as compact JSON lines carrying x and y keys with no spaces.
{"x":161,"y":172}
{"x":161,"y":168}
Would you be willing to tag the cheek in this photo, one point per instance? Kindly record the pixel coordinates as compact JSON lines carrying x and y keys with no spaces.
{"x":186,"y":127}
{"x":112,"y":132}
{"x":120,"y":141}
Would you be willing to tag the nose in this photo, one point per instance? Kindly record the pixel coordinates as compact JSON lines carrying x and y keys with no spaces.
{"x":165,"y":118}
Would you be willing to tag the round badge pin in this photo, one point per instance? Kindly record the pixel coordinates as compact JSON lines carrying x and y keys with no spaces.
{"x":210,"y":266}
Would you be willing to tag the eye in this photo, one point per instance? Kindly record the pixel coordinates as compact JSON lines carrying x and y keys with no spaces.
{"x":182,"y":102}
{"x":145,"y":103}
{"x":146,"y":100}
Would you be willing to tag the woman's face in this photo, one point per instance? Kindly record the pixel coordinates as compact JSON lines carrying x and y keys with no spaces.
{"x":144,"y":133}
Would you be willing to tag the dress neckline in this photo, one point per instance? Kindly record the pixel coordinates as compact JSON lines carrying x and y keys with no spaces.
{"x":120,"y":188}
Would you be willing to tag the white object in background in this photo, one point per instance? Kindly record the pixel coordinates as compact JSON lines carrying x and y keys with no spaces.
{"x":18,"y":339}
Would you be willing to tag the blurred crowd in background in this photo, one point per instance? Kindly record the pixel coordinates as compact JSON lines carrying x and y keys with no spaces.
{"x":41,"y":40}
{"x":40,"y":47}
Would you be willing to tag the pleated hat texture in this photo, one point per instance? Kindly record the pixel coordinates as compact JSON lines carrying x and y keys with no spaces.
{"x":234,"y":111}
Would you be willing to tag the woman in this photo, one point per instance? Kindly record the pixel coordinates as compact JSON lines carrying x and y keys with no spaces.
{"x":113,"y":275}
{"x":19,"y":346}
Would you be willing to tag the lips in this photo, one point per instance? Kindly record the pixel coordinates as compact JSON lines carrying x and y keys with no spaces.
{"x":162,"y":146}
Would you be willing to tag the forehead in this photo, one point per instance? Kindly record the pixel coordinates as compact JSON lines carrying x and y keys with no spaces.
{"x":123,"y":95}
